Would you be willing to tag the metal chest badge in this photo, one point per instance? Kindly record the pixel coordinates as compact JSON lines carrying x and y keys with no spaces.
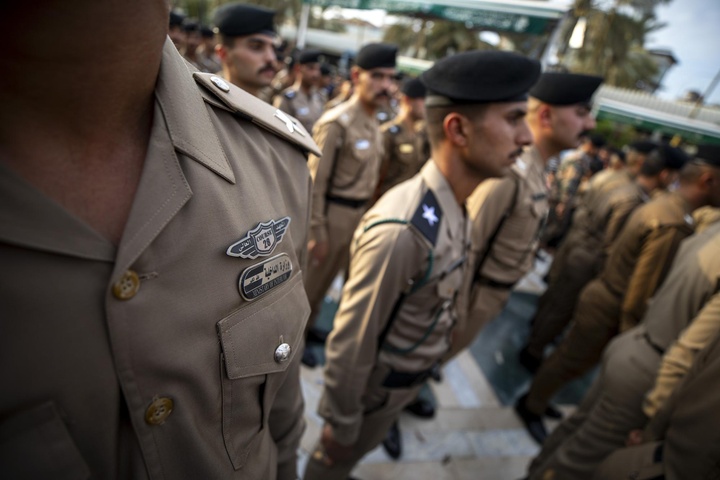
{"x":263,"y":277}
{"x":261,"y":240}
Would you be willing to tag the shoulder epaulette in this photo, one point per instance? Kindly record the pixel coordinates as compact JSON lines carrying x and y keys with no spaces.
{"x":289,"y":94}
{"x":255,"y":110}
{"x":427,"y":217}
{"x":395,"y":129}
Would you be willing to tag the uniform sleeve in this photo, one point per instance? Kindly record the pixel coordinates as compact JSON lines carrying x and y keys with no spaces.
{"x":486,"y":207}
{"x":328,"y":137}
{"x":617,"y":219}
{"x":287,"y":422}
{"x":681,"y":355}
{"x":657,"y":252}
{"x":382,"y":262}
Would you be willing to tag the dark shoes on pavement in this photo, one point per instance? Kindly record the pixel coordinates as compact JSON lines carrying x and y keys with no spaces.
{"x":392,"y":444}
{"x":533,"y":422}
{"x":421,"y":408}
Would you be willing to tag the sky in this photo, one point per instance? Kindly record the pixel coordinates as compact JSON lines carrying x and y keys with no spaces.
{"x":693,"y":35}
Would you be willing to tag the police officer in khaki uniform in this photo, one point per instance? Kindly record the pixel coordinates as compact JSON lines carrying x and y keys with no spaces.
{"x":151,"y":293}
{"x":508,"y":214}
{"x":406,"y":143}
{"x":617,"y":299}
{"x":612,"y":406}
{"x":597,"y":222}
{"x":567,"y":188}
{"x":345,"y":177}
{"x":303,"y":100}
{"x":408,"y":256}
{"x":247,"y":45}
{"x":681,"y":441}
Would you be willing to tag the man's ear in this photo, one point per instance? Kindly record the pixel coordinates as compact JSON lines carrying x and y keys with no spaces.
{"x":455,"y":127}
{"x":354,"y":74}
{"x":544,"y":115}
{"x":221,"y":51}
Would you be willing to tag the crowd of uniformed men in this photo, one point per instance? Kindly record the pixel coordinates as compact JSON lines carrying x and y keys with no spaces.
{"x":168,"y":240}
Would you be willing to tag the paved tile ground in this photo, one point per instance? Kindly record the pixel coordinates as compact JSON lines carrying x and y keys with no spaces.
{"x":475,"y":434}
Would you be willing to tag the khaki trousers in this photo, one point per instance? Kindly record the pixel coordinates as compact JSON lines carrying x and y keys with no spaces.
{"x":573,"y":268}
{"x":375,"y":425}
{"x":610,"y":410}
{"x":596,"y":323}
{"x":342,"y":222}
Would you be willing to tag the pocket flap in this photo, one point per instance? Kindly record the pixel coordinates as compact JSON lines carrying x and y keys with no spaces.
{"x":251,"y":336}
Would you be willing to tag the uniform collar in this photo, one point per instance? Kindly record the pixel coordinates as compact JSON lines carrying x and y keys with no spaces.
{"x":452,"y":212}
{"x":191,"y":130}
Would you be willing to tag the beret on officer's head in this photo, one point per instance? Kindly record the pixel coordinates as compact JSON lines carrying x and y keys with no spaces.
{"x":176,"y":19}
{"x":709,"y":154}
{"x":643,"y":146}
{"x":674,"y":158}
{"x":325,"y":69}
{"x":413,"y":88}
{"x":377,"y":55}
{"x":309,"y":56}
{"x":237,"y":20}
{"x":480,"y":77}
{"x":557,"y":88}
{"x":191,"y":26}
{"x":206,"y":31}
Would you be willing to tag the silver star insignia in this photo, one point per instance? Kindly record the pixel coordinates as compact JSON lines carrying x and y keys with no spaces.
{"x":289,"y":123}
{"x":429,"y":215}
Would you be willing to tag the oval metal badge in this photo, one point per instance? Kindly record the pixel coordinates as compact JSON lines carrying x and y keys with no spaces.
{"x":264,"y":276}
{"x":406,"y":148}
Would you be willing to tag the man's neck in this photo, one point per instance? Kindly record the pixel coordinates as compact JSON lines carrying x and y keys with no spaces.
{"x":368,"y":107}
{"x":84,"y":114}
{"x":248,"y":88}
{"x":545,"y":148}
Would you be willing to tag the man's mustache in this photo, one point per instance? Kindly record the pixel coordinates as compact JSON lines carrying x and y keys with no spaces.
{"x":267,"y":68}
{"x":384,"y":93}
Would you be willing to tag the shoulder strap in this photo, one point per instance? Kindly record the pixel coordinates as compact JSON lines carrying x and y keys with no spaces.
{"x":255,"y":110}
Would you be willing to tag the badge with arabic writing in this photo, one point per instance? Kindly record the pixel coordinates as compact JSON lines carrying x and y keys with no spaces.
{"x":259,"y":279}
{"x":261,"y":240}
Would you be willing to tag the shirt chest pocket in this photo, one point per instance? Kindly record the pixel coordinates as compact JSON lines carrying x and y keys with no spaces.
{"x":258,"y":342}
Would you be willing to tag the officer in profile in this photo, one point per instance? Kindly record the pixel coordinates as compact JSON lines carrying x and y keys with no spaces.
{"x":408,"y":256}
{"x":406,"y":145}
{"x":247,"y":45}
{"x":176,"y":32}
{"x":303,"y":99}
{"x":152,"y":344}
{"x":345,"y":177}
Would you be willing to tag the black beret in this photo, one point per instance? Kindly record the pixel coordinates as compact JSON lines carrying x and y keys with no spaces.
{"x":481,"y":77}
{"x":176,"y":19}
{"x":191,"y":26}
{"x":237,"y":19}
{"x":674,"y":158}
{"x":206,"y":31}
{"x":309,"y":56}
{"x":413,"y":88}
{"x":597,"y":140}
{"x":325,"y":69}
{"x":643,"y":146}
{"x":558,"y":88}
{"x":709,"y":154}
{"x":377,"y":55}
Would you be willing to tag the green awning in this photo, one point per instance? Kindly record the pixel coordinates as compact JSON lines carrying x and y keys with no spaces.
{"x":533,"y":17}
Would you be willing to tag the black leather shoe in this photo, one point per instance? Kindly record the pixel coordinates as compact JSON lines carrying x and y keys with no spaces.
{"x":308,"y":358}
{"x":533,"y":423}
{"x":392,"y":444}
{"x":315,"y":335}
{"x":552,"y":412}
{"x":421,"y":408}
{"x":529,"y":361}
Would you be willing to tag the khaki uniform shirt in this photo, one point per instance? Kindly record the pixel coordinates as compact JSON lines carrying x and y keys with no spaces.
{"x":689,"y":422}
{"x":351,"y":147}
{"x":705,"y":216}
{"x":414,"y":236}
{"x":523,"y":196}
{"x":159,"y":358}
{"x":406,"y":150}
{"x":306,"y":108}
{"x":688,"y":302}
{"x":643,"y":252}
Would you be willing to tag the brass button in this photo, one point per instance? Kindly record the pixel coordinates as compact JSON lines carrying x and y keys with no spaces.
{"x":159,"y":410}
{"x":282,"y":353}
{"x":127,"y":286}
